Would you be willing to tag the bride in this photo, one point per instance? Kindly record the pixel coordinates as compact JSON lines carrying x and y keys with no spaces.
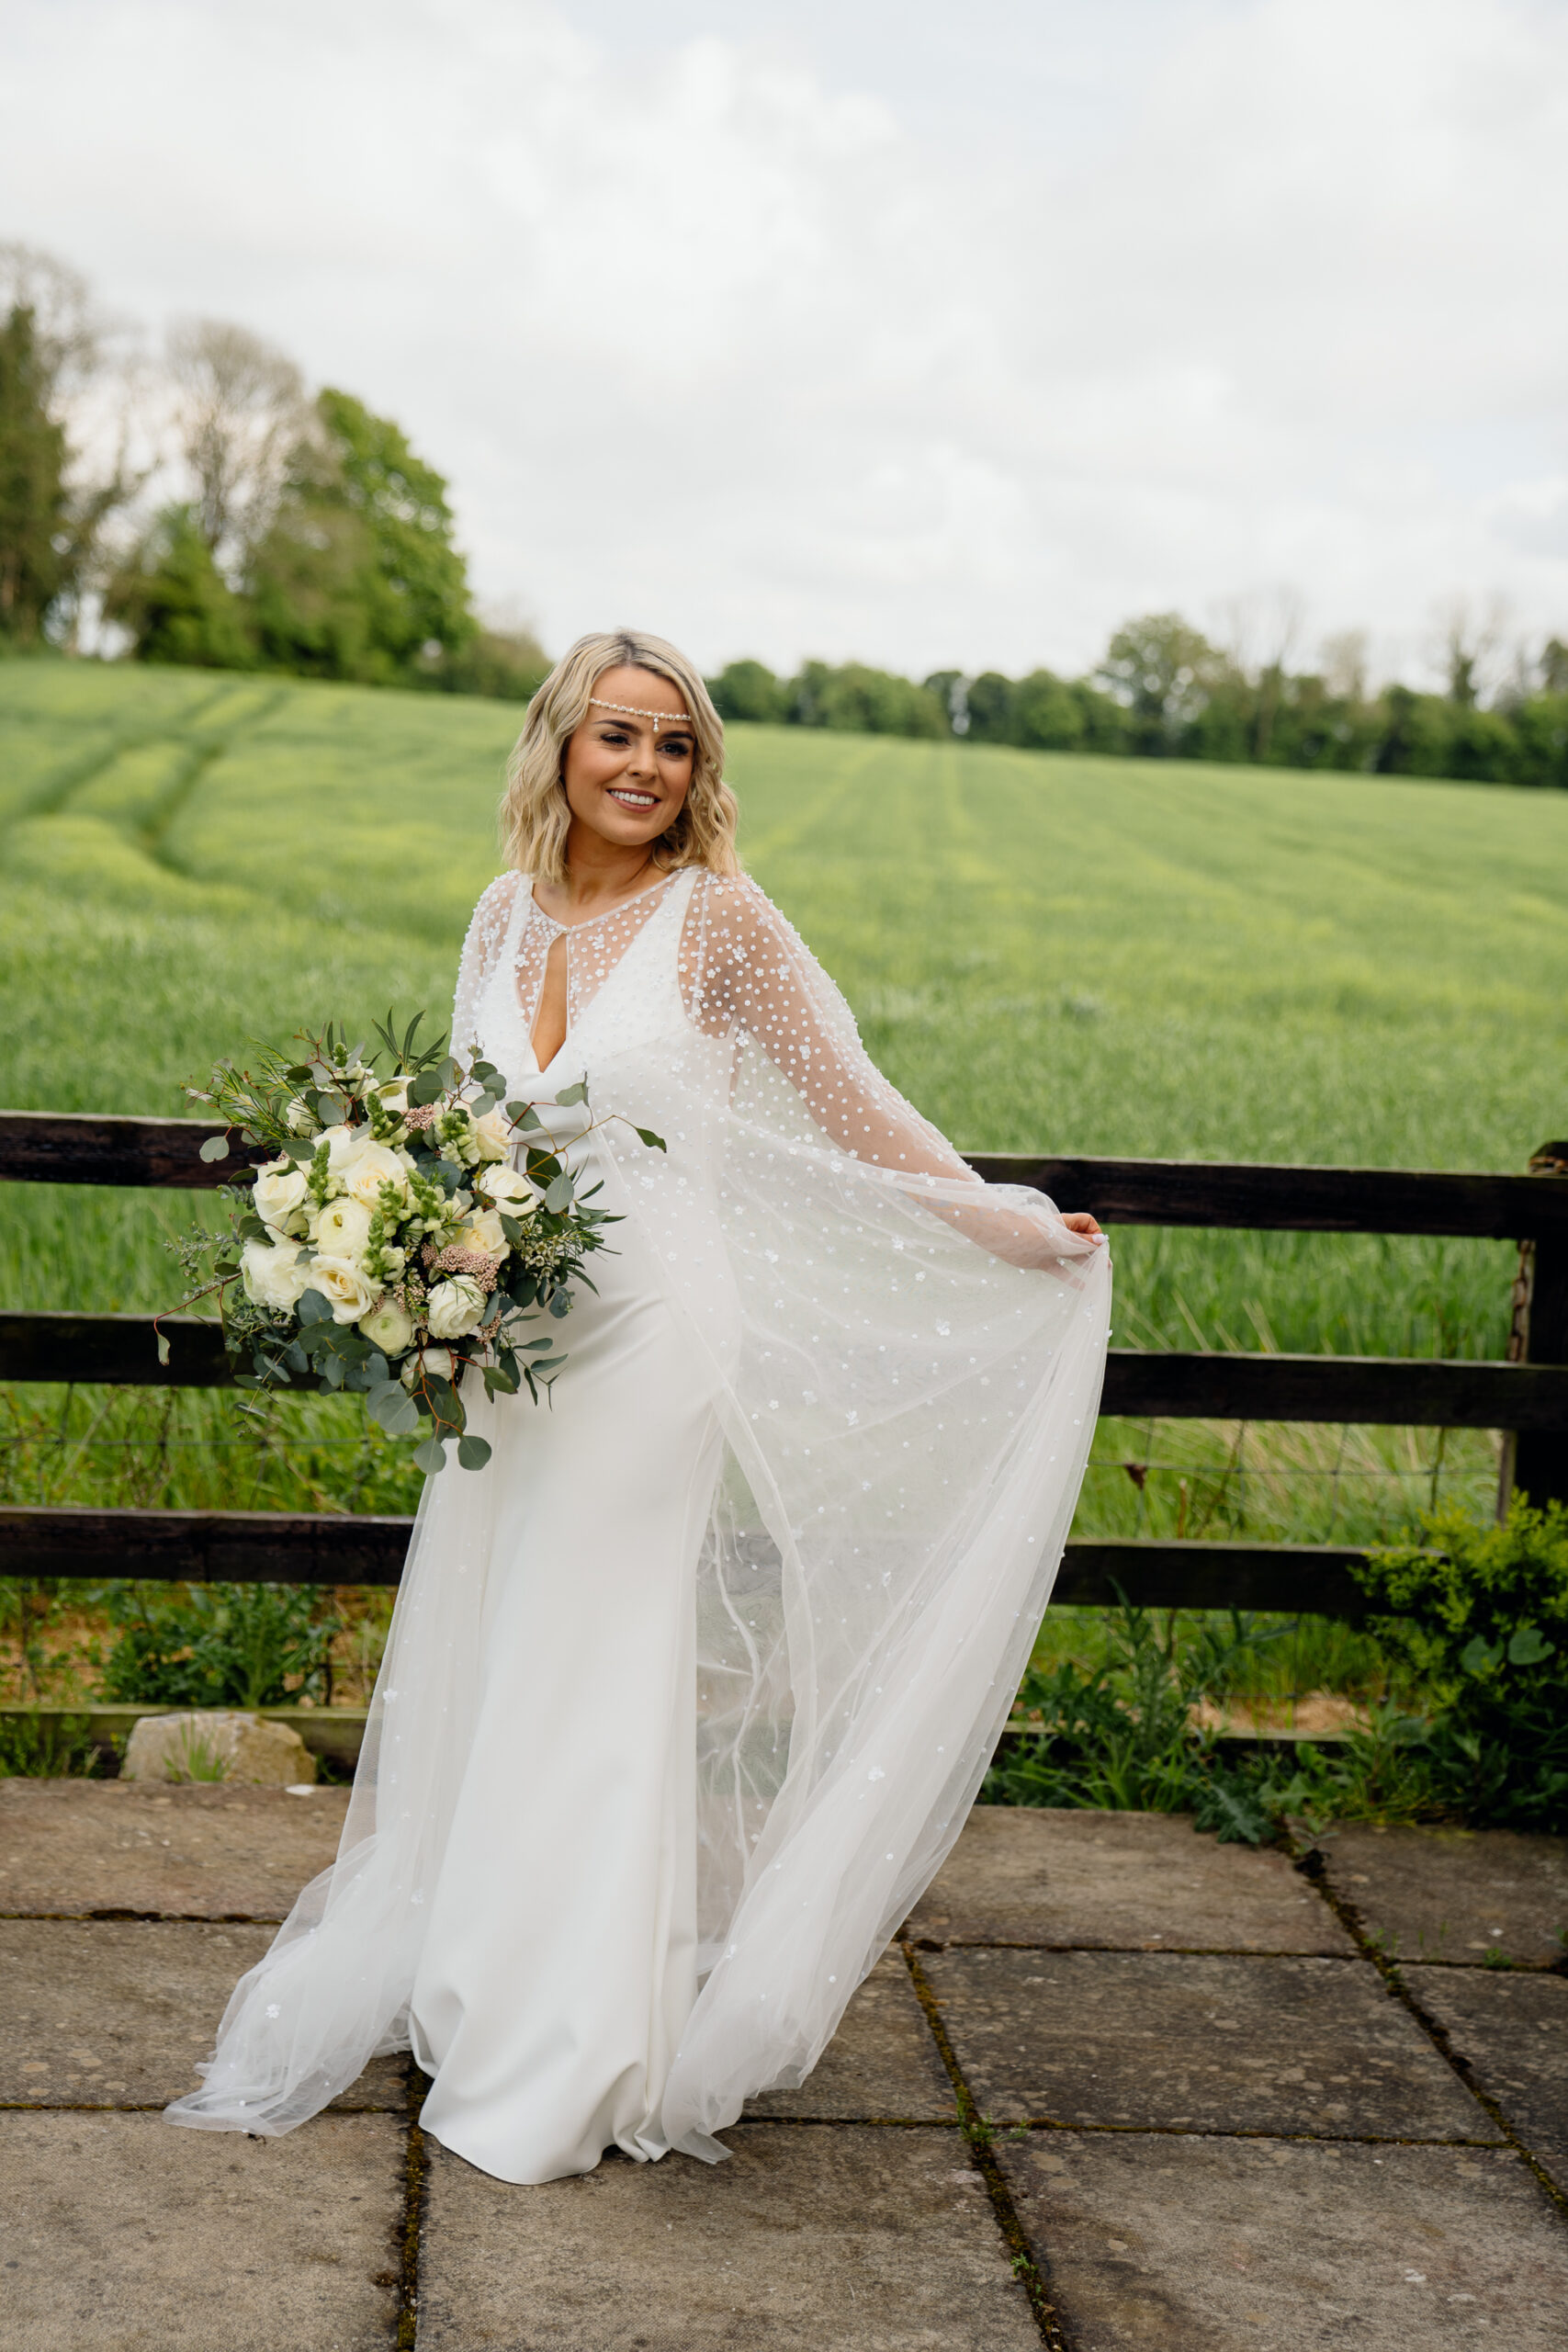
{"x":688,"y":1691}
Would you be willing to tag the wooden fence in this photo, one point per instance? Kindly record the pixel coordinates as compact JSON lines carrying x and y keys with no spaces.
{"x":1526,"y":1396}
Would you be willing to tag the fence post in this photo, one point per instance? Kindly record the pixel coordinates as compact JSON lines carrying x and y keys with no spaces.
{"x":1535,"y":1462}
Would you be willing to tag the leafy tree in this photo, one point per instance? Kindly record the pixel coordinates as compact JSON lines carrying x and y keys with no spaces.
{"x":949,"y":687}
{"x":1163,"y":671}
{"x":858,"y":700}
{"x":358,"y":576}
{"x":51,"y":517}
{"x":175,"y":601}
{"x":34,"y":502}
{"x":1047,"y":715}
{"x":509,"y":664}
{"x":989,"y":700}
{"x":749,"y":690}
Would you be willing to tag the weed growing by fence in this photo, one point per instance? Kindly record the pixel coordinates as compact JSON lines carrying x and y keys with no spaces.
{"x":1464,"y":1679}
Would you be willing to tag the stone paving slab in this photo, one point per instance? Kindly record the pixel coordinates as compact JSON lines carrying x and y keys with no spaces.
{"x":116,"y":2012}
{"x":1118,"y":1880}
{"x":1455,"y":1894}
{"x":1512,"y":2027}
{"x":122,"y":2231}
{"x":820,"y":2235}
{"x":1175,"y":2039}
{"x":82,"y":1847}
{"x":1259,"y":2245}
{"x":881,"y":2063}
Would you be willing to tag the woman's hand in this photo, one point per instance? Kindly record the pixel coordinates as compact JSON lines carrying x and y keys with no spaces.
{"x":1081,"y":1222}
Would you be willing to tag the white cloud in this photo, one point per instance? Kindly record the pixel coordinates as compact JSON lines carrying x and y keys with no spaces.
{"x":731,"y":339}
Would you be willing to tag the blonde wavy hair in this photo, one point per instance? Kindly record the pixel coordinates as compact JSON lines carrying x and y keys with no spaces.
{"x":535,"y":817}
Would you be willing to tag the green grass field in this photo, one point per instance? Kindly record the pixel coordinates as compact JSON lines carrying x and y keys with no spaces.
{"x":1047,"y":952}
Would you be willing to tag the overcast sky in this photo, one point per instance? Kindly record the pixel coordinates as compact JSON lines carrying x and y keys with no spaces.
{"x":938,"y":332}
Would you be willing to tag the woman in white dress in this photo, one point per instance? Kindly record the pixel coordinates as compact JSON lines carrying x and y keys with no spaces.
{"x":689,"y":1690}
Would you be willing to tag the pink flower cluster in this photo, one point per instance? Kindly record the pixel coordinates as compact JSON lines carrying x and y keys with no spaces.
{"x":421,"y":1115}
{"x":456,"y":1259}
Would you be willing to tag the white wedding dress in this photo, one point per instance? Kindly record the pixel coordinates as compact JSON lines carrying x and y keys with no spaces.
{"x":689,"y":1690}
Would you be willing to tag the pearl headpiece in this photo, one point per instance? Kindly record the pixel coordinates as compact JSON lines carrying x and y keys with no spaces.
{"x":632,"y":711}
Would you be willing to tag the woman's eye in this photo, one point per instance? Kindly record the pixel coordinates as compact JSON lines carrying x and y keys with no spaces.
{"x":678,"y":747}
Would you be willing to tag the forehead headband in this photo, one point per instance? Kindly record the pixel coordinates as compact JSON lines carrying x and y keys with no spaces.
{"x":632,"y":711}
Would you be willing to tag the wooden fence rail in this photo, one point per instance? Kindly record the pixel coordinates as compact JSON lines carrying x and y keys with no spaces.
{"x":1525,"y":1397}
{"x":1408,"y":1392}
{"x":301,"y":1547}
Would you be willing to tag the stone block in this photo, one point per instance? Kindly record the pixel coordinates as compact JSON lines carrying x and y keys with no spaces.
{"x":1178,"y":2244}
{"x":881,"y":2063}
{"x":1176,"y":2040}
{"x":115,"y":2013}
{"x":831,"y":2236}
{"x":1511,"y":2026}
{"x":120,"y":2230}
{"x":1117,"y":1880}
{"x":87,"y":1848}
{"x":212,"y":1744}
{"x":1455,"y":1894}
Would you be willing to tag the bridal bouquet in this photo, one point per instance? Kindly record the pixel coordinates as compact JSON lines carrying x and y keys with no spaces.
{"x":409,"y":1227}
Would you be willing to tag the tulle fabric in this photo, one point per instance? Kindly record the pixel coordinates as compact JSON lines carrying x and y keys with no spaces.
{"x":906,"y":1366}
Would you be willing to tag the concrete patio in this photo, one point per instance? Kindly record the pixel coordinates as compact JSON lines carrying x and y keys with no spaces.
{"x":1118,"y":2087}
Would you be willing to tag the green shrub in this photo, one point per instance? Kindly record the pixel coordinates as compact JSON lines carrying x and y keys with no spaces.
{"x":1481,"y":1613}
{"x":48,"y":1748}
{"x":216,"y":1646}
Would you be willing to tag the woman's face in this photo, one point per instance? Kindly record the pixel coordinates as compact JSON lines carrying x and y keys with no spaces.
{"x":626,"y":776}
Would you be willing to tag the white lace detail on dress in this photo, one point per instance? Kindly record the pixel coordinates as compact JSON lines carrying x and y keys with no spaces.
{"x":593,"y":951}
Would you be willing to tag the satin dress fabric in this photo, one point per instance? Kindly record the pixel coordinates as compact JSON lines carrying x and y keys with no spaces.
{"x":560,"y":1962}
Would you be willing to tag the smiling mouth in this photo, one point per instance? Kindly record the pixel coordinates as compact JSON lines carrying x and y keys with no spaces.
{"x":639,"y":801}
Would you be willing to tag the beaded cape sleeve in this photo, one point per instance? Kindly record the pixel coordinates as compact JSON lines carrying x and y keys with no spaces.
{"x":907,"y":1365}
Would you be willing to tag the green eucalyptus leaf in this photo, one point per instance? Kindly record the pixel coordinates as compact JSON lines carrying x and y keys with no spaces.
{"x":646,"y":1135}
{"x":473,"y":1452}
{"x":215,"y":1148}
{"x":430,"y":1456}
{"x":567,"y":1095}
{"x":558,"y":1199}
{"x":427,"y":1088}
{"x":313,"y":1308}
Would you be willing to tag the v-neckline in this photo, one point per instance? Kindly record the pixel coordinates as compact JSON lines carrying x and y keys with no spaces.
{"x":566,"y":931}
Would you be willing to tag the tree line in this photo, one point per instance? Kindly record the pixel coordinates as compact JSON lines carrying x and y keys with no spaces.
{"x":212,"y":511}
{"x":1163,"y":691}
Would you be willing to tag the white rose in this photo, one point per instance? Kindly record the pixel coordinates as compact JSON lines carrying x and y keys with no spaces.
{"x":343,"y":1229}
{"x":436,"y":1363}
{"x":506,"y":1184}
{"x":494,"y":1133}
{"x":455,"y":1307}
{"x":277,"y":1191}
{"x":484,"y":1232}
{"x":394,"y":1094}
{"x":388,"y":1328}
{"x":366,"y":1170}
{"x":344,"y":1285}
{"x":343,"y":1144}
{"x":271,"y":1276}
